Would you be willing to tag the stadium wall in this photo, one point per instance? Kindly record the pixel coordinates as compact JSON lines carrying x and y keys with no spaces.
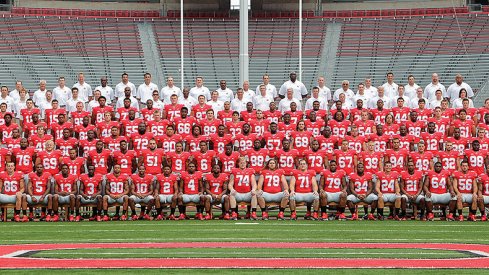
{"x":392,"y":5}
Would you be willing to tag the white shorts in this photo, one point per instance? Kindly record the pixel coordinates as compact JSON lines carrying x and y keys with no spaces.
{"x":146,"y":199}
{"x":89,"y":200}
{"x":64,"y":199}
{"x":467,"y":198}
{"x":272,"y":197}
{"x":444,"y":198}
{"x":44,"y":202}
{"x":304,"y":197}
{"x":165,"y":198}
{"x":333,"y":197}
{"x":369,"y":199}
{"x":390,"y":197}
{"x":243,"y":197}
{"x":120,"y":200}
{"x":486,"y":199}
{"x":212,"y":199}
{"x":10,"y":199}
{"x":418,"y":199}
{"x":191,"y":198}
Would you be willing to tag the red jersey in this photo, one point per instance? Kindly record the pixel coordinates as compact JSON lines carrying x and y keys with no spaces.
{"x":74,"y":165}
{"x":67,"y":184}
{"x":124,"y":160}
{"x":50,"y":161}
{"x":140,"y":142}
{"x":388,"y":181}
{"x":273,"y":142}
{"x":371,"y":161}
{"x":100,"y":160}
{"x":31,"y":128}
{"x":272,"y":116}
{"x":356,"y":143}
{"x":113,"y":144}
{"x":379,"y":115}
{"x":209,"y":127}
{"x":204,"y":160}
{"x":166,"y":183}
{"x":124,"y":113}
{"x":288,"y":129}
{"x":272,"y":181}
{"x":247,"y":116}
{"x":130,"y":126}
{"x":142,"y":184}
{"x":183,"y":126}
{"x":392,"y":129}
{"x":216,"y":184}
{"x":88,"y":146}
{"x":168,"y":143}
{"x":465,"y":127}
{"x":12,"y":143}
{"x":192,"y":143}
{"x":315,"y":127}
{"x":303,"y":180}
{"x":333,"y":180}
{"x":23,"y":159}
{"x":422,"y":161}
{"x":398,"y":159}
{"x":400,"y":114}
{"x":356,"y":114}
{"x":259,"y":127}
{"x":301,"y":141}
{"x":438,"y":182}
{"x":11,"y":183}
{"x":147,"y":114}
{"x":441,"y":125}
{"x":380,"y":142}
{"x":432,"y":140}
{"x":339,"y":129}
{"x":412,"y":182}
{"x":287,"y":159}
{"x":116,"y":183}
{"x":415,"y":128}
{"x":423,"y":114}
{"x":295,"y":116}
{"x":484,"y":179}
{"x":360,"y":183}
{"x":364,"y":127}
{"x":235,"y":128}
{"x":27,"y":114}
{"x":91,"y":184}
{"x":83,"y":131}
{"x":4,"y":152}
{"x":476,"y":160}
{"x":191,"y":182}
{"x":406,"y":141}
{"x":225,"y":116}
{"x":345,"y":160}
{"x":99,"y":113}
{"x":51,"y":115}
{"x":327,"y":144}
{"x":153,"y":160}
{"x":7,"y":130}
{"x":105,"y":128}
{"x":242,"y":179}
{"x":158,"y":128}
{"x":200,"y":111}
{"x":39,"y":183}
{"x":315,"y":160}
{"x":465,"y":182}
{"x":57,"y":129}
{"x":77,"y":117}
{"x":178,"y":161}
{"x":245,"y":142}
{"x":65,"y":145}
{"x":459,"y":145}
{"x":39,"y":142}
{"x":228,"y":162}
{"x":448,"y":160}
{"x":257,"y":159}
{"x":220,"y":142}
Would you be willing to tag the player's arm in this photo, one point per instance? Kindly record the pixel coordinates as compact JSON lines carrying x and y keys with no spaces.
{"x":321,"y":182}
{"x":475,"y":186}
{"x":455,"y":186}
{"x":402,"y":186}
{"x":230,"y":185}
{"x":486,"y":162}
{"x":180,"y":186}
{"x":126,"y":187}
{"x":292,"y":185}
{"x":314,"y":185}
{"x":151,"y":187}
{"x":344,"y":186}
{"x":206,"y":186}
{"x":261,"y":179}
{"x":132,"y":190}
{"x":48,"y":189}
{"x":397,"y":189}
{"x":351,"y":184}
{"x":224,"y":190}
{"x":201,"y":187}
{"x":21,"y":186}
{"x":285,"y":186}
{"x":81,"y":189}
{"x":110,"y":163}
{"x":479,"y":188}
{"x":29,"y":187}
{"x":420,"y":186}
{"x":254,"y":184}
{"x":377,"y":187}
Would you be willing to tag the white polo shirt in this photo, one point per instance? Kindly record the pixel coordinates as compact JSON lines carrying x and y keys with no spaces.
{"x":145,"y":92}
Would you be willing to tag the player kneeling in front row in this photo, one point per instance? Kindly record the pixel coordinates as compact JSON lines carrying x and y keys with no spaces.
{"x":303,"y":188}
{"x":65,"y":190}
{"x":141,"y":193}
{"x":190,"y":190}
{"x":215,"y":185}
{"x":465,"y":187}
{"x":90,"y":193}
{"x":242,"y":188}
{"x":116,"y":192}
{"x":272,"y":187}
{"x":332,"y":188}
{"x":38,"y":193}
{"x":388,"y":190}
{"x":12,"y":189}
{"x":166,"y":192}
{"x":439,"y":191}
{"x":362,"y":190}
{"x":411,"y":189}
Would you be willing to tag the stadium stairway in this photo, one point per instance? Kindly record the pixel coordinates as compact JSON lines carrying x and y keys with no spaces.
{"x":151,"y":53}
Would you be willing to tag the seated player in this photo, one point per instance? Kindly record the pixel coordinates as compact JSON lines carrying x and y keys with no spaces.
{"x":142,"y":193}
{"x":166,"y":192}
{"x":387,"y":188}
{"x":303,"y":188}
{"x":272,"y":187}
{"x":333,"y":188}
{"x":90,"y":192}
{"x":361,"y":190}
{"x":438,"y":190}
{"x":64,"y":192}
{"x":215,"y":186}
{"x":12,"y":188}
{"x":39,"y":192}
{"x":465,"y":187}
{"x":483,"y":194}
{"x":242,"y":188}
{"x":116,"y":191}
{"x":190,"y":190}
{"x":411,"y":189}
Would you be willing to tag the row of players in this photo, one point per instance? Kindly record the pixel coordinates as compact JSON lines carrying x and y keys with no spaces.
{"x":244,"y":184}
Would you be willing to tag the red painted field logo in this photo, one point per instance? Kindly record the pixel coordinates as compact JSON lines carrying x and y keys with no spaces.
{"x":18,"y":256}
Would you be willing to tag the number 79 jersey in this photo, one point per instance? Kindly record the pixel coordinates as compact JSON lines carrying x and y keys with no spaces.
{"x":191,"y":182}
{"x":116,"y":184}
{"x":333,"y":180}
{"x":303,"y":180}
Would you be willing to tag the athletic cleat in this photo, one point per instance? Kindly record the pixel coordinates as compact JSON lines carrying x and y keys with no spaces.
{"x":55,"y":218}
{"x":134,"y":217}
{"x":380,"y":217}
{"x":123,"y":218}
{"x":248,"y":215}
{"x":293,"y":216}
{"x":48,"y":218}
{"x":99,"y":218}
{"x":146,"y":217}
{"x":159,"y":217}
{"x":200,"y":216}
{"x":280,"y":216}
{"x":471,"y":218}
{"x":208,"y":217}
{"x":396,"y":218}
{"x":450,"y":217}
{"x":371,"y":217}
{"x":181,"y":217}
{"x":253,"y":216}
{"x":315,"y":216}
{"x":264,"y":216}
{"x":307,"y":216}
{"x":423,"y":218}
{"x":116,"y":218}
{"x":78,"y":218}
{"x":324,"y":216}
{"x":460,"y":218}
{"x":234,"y":216}
{"x":341,"y":217}
{"x":25,"y":219}
{"x":17,"y":218}
{"x":226,"y":217}
{"x":390,"y":217}
{"x":431,"y":216}
{"x":354,"y":217}
{"x":31,"y":216}
{"x":43,"y":217}
{"x":172,"y":217}
{"x":71,"y":218}
{"x":403,"y":219}
{"x":483,"y":218}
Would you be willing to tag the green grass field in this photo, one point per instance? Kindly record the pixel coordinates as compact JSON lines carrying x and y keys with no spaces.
{"x":250,"y":231}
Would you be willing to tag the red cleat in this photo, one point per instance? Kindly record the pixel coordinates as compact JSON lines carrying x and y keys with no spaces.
{"x":116,"y":217}
{"x":234,"y":216}
{"x":460,"y":218}
{"x":264,"y":216}
{"x":55,"y":218}
{"x":48,"y":218}
{"x":431,"y":217}
{"x":471,"y":218}
{"x":248,"y":215}
{"x":134,"y":217}
{"x":123,"y":218}
{"x":208,"y":217}
{"x":226,"y":216}
{"x":354,"y":217}
{"x":450,"y":217}
{"x":483,"y":218}
{"x":146,"y":217}
{"x":341,"y":216}
{"x":172,"y":217}
{"x":293,"y":216}
{"x":71,"y":218}
{"x":25,"y":219}
{"x":315,"y":216}
{"x":371,"y":217}
{"x":181,"y":217}
{"x":280,"y":216}
{"x":17,"y":218}
{"x":307,"y":216}
{"x":396,"y":218}
{"x":159,"y":218}
{"x":324,"y":216}
{"x":78,"y":218}
{"x":253,"y":216}
{"x":99,"y":218}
